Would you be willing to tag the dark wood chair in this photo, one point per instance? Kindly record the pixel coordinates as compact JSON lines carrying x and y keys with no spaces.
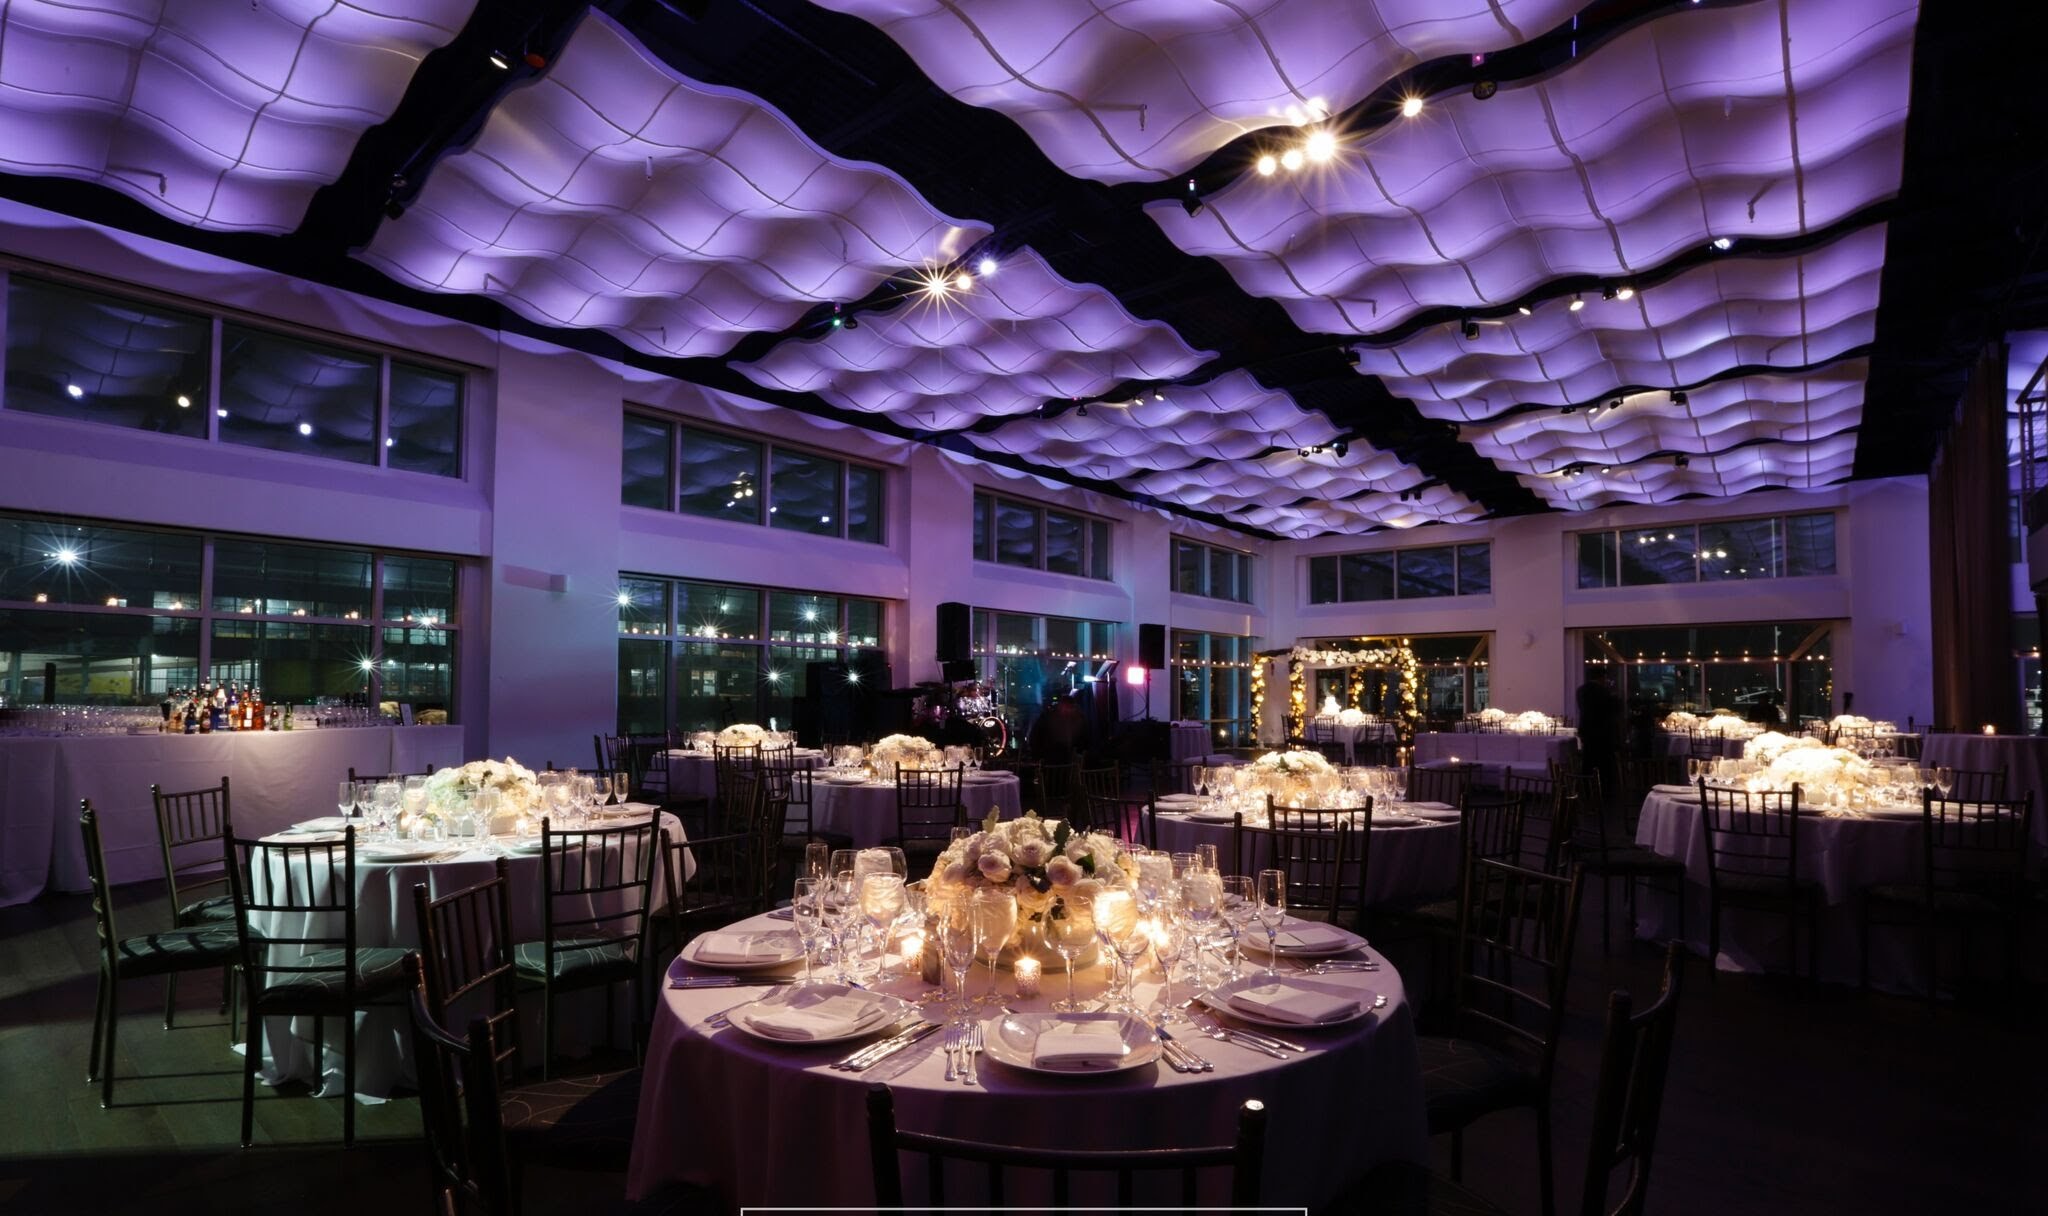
{"x":596,"y":899}
{"x":304,"y":962}
{"x":192,"y":828}
{"x":1515,"y":949}
{"x":1602,"y":853}
{"x":1447,"y":785}
{"x":1638,"y":777}
{"x":1752,"y":854}
{"x":1244,"y":1159}
{"x":1628,"y":1101}
{"x":928,"y":808}
{"x":715,"y":880}
{"x":184,"y":948}
{"x":1323,"y":856}
{"x":1489,"y":826}
{"x":1973,"y":859}
{"x":353,"y":777}
{"x":1543,"y":835}
{"x":1059,"y":790}
{"x":1976,"y":785}
{"x":466,"y":957}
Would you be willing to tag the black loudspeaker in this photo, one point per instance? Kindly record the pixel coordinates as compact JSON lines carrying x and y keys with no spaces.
{"x":1152,"y":647}
{"x":953,"y":671}
{"x":955,"y":632}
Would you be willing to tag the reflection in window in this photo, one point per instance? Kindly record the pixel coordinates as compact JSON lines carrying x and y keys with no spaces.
{"x":418,"y":589}
{"x":1322,"y":581}
{"x":80,"y":354}
{"x":1188,"y":567}
{"x":97,"y":658}
{"x":1098,"y":549}
{"x":418,"y":667}
{"x":1810,"y":544}
{"x":1367,"y":576}
{"x":1063,"y":543}
{"x":805,"y":490}
{"x":1598,"y":564}
{"x":293,"y":662}
{"x":1427,"y":573}
{"x":1475,"y":569}
{"x":424,"y":432}
{"x":51,"y":562}
{"x":718,"y":476}
{"x":1740,"y":549}
{"x":291,"y":395}
{"x":864,"y":622}
{"x":707,"y":611}
{"x":864,"y":504}
{"x":795,"y":616}
{"x":1714,"y":551}
{"x":984,"y":528}
{"x":644,"y":463}
{"x":1024,"y":534}
{"x":1421,"y":573}
{"x":1211,"y":685}
{"x":643,"y":665}
{"x":643,"y":606}
{"x":1651,"y":556}
{"x":1016,"y":534}
{"x":265,"y":578}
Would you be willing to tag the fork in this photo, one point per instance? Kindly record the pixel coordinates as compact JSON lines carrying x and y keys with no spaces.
{"x":950,"y":1047}
{"x":970,"y":1072}
{"x":1223,"y":1034}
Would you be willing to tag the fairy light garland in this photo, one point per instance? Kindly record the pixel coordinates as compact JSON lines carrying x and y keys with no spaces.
{"x":1400,"y":655}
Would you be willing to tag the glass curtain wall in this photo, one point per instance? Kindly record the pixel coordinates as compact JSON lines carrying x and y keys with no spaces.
{"x":1029,"y":661}
{"x":1212,"y":684}
{"x":1453,"y":671}
{"x":1776,"y":673}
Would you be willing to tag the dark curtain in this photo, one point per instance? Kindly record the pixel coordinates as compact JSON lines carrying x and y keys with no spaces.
{"x":1970,"y":559}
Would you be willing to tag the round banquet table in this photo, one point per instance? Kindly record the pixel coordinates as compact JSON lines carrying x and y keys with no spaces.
{"x":2022,"y":758}
{"x":1187,"y":742}
{"x":1496,"y":752}
{"x":867,"y":811}
{"x":385,"y":917}
{"x":774,"y":1124}
{"x":1406,"y":861}
{"x":1844,"y":853}
{"x":694,"y":774}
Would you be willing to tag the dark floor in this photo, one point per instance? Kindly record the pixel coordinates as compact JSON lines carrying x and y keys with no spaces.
{"x":1781,"y":1099}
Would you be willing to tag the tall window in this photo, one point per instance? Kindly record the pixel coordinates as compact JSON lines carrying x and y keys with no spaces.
{"x":1032,"y":660}
{"x":1016,"y":533}
{"x":1212,"y":684}
{"x":1729,"y":550}
{"x":667,"y":466}
{"x":699,"y":656}
{"x":1386,"y":574}
{"x":1223,"y":574}
{"x":1769,"y":672}
{"x":80,"y":353}
{"x":120,"y":616}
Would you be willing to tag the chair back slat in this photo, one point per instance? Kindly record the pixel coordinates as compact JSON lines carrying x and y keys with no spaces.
{"x":600,"y":879}
{"x":1628,"y":1095}
{"x":466,"y":952}
{"x":1322,"y":855}
{"x":1976,"y":846}
{"x":102,"y":892}
{"x":1516,"y":928}
{"x":305,"y":893}
{"x":1750,"y":832}
{"x":928,"y":805}
{"x":190,"y":826}
{"x":1447,"y":785}
{"x":1977,"y":785}
{"x":440,"y":1062}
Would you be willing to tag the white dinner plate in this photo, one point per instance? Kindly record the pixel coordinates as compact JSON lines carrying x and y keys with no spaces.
{"x":624,"y":810}
{"x":1211,"y":816}
{"x":329,"y":823}
{"x":837,"y":779}
{"x":414,"y":851}
{"x":1182,"y":801}
{"x":1397,"y":820}
{"x":1255,"y":940}
{"x":1009,"y":1039}
{"x":884,"y":1011}
{"x":1430,"y":813}
{"x":523,"y":844}
{"x":306,"y":838}
{"x":791,"y":951}
{"x":1218,"y":999}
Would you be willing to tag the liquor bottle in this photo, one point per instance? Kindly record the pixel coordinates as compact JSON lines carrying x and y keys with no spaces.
{"x":288,"y":715}
{"x":236,"y":700}
{"x":256,"y":721}
{"x":217,"y":711}
{"x":188,"y":712}
{"x":206,"y":710}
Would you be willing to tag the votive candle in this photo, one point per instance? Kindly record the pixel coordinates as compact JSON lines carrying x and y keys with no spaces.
{"x":1990,"y":729}
{"x":912,"y":952}
{"x":1026,"y":972}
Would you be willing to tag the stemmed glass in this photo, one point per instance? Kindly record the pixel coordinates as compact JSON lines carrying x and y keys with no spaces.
{"x":622,"y":787}
{"x":1240,"y":907}
{"x":881,"y":901}
{"x":1201,"y":896}
{"x":346,"y":799}
{"x":1118,"y":925}
{"x":1272,"y":913}
{"x":1201,"y":776}
{"x":817,"y":859}
{"x":1066,"y":933}
{"x":594,"y":789}
{"x":995,"y":919}
{"x":1167,"y":946}
{"x":385,"y":796}
{"x":807,"y":913}
{"x":562,"y":799}
{"x":957,"y":946}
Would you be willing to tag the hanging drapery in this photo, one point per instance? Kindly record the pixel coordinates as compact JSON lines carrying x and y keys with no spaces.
{"x":1969,"y":560}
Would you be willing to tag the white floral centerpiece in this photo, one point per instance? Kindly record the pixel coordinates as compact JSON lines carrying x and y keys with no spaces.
{"x":1351,"y":717}
{"x":518,"y":789}
{"x":1293,"y":764}
{"x":742,"y":734}
{"x":1720,"y":723}
{"x":1490,"y":714}
{"x":1044,"y":862}
{"x":1816,"y":770}
{"x":1532,"y":721}
{"x":1768,"y":746}
{"x":902,"y":751}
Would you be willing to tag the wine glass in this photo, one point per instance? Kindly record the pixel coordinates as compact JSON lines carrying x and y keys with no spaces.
{"x":1201,"y":898}
{"x":1240,"y":907}
{"x":881,"y":901}
{"x":1692,"y":770}
{"x":1184,"y":864}
{"x":386,"y":796}
{"x":1201,"y":776}
{"x":346,"y":799}
{"x":1272,"y":912}
{"x":807,"y":913}
{"x":1205,"y":857}
{"x":995,"y":919}
{"x":817,"y":859}
{"x":1168,"y":944}
{"x":594,"y":789}
{"x":1118,"y":925}
{"x":957,"y":945}
{"x":1066,"y":933}
{"x":622,"y":787}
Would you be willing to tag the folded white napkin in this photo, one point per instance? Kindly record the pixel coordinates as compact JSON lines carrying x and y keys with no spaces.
{"x":741,"y":948}
{"x":1075,"y":1044}
{"x":1302,"y":1006}
{"x":830,"y":1018}
{"x":1310,"y":935}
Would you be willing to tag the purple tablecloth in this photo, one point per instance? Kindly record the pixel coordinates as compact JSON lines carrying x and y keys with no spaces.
{"x":1496,"y":753}
{"x":774,"y":1124}
{"x":868,"y":812}
{"x":2022,"y":758}
{"x":1405,"y":861}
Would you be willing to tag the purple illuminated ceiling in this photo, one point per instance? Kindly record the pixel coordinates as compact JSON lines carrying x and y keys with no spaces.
{"x":1123,"y":91}
{"x":1675,"y":133}
{"x":216,"y":113}
{"x":992,"y":346}
{"x":614,"y":194}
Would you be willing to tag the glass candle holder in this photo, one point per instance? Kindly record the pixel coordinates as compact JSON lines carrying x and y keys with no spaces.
{"x":1025,"y":971}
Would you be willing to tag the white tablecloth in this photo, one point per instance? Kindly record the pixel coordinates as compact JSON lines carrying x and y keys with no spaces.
{"x":774,"y":1124}
{"x":1496,"y":753}
{"x":2022,"y":758}
{"x":385,"y":917}
{"x":1187,"y":742}
{"x":1405,"y":861}
{"x":1843,"y":854}
{"x":276,"y":778}
{"x":1350,"y":736}
{"x":867,"y":812}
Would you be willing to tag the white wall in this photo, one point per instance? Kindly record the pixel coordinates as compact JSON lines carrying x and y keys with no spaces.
{"x":540,"y":499}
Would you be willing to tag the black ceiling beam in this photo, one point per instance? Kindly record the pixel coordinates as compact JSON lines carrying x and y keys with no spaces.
{"x":821,"y":69}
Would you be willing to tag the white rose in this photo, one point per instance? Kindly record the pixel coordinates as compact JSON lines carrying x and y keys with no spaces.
{"x":956,"y":874}
{"x":1062,"y":872}
{"x":1078,"y":847}
{"x":1031,"y":853}
{"x":995,"y":867}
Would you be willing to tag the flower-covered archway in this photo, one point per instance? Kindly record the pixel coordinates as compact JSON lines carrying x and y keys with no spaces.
{"x":1395,"y":655}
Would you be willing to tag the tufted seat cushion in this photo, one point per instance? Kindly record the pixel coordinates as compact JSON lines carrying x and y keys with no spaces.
{"x":217,"y":910}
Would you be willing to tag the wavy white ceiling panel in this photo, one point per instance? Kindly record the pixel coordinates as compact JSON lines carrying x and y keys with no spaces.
{"x":1002,"y":347}
{"x":217,"y":113}
{"x":1742,"y":312}
{"x":1787,"y":466}
{"x":1674,"y":133}
{"x":614,"y":194}
{"x":1128,"y":90}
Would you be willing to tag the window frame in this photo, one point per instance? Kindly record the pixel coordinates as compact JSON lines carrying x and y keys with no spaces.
{"x":1610,"y":541}
{"x":1097,"y":533}
{"x":678,"y":424}
{"x":1392,"y":558}
{"x":1243,"y":570}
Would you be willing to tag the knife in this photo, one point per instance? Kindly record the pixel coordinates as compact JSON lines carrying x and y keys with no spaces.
{"x":890,"y":1047}
{"x":859,"y":1053}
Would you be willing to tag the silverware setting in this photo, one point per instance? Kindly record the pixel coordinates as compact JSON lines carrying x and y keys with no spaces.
{"x":1179,"y":1056}
{"x":901,"y":1036}
{"x":951,"y":1047}
{"x":731,"y":981}
{"x":1342,"y":965}
{"x":971,"y":1050}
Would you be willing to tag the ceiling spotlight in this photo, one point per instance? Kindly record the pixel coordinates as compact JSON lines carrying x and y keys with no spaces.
{"x":1679,"y":399}
{"x":963,"y":282}
{"x":1681,"y":461}
{"x":184,"y":402}
{"x":305,"y":428}
{"x":1525,"y":310}
{"x":1411,"y":106}
{"x":1624,"y":292}
{"x":73,"y":391}
{"x":500,"y":62}
{"x":1322,"y":145}
{"x":935,"y":284}
{"x":1724,"y":243}
{"x":1267,"y":164}
{"x":986,"y":267}
{"x":1190,"y":201}
{"x":1342,"y":449}
{"x":1609,"y":292}
{"x":1577,"y":303}
{"x":1606,"y":468}
{"x":1469,"y":328}
{"x":1083,"y":411}
{"x":1158,"y":395}
{"x":1291,"y":159}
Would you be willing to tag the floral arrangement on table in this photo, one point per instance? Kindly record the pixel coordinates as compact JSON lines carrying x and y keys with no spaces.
{"x":1292,"y":764}
{"x":1528,"y":722}
{"x":1351,"y":717}
{"x":518,"y":789}
{"x":1816,"y":770}
{"x":1041,"y":860}
{"x":742,"y":734}
{"x":1858,"y":722}
{"x":902,"y":751}
{"x":1768,"y":746}
{"x":1720,"y":723}
{"x":1491,"y":714}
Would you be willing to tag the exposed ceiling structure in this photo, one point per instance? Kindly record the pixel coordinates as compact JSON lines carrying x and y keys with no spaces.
{"x":1303,"y":267}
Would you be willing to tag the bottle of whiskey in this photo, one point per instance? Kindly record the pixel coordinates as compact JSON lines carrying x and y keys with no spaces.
{"x":256,"y":721}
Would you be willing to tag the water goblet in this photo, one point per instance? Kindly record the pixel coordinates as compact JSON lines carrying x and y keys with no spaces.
{"x":1944,"y":779}
{"x":622,"y":786}
{"x":1205,"y":857}
{"x":1169,"y":941}
{"x":1201,"y":900}
{"x":1240,"y":907}
{"x":817,"y":859}
{"x":995,"y":919}
{"x":1272,"y":912}
{"x":881,"y":901}
{"x":807,"y":913}
{"x":1066,"y":932}
{"x":346,"y":799}
{"x":1120,"y":928}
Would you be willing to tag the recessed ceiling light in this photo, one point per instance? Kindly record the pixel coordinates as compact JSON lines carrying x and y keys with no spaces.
{"x":1625,"y":292}
{"x":1577,"y":303}
{"x":986,"y":267}
{"x":499,"y":61}
{"x":75,"y":391}
{"x":1525,"y":310}
{"x":305,"y":428}
{"x":964,"y":282}
{"x":1724,"y":244}
{"x":1411,"y":106}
